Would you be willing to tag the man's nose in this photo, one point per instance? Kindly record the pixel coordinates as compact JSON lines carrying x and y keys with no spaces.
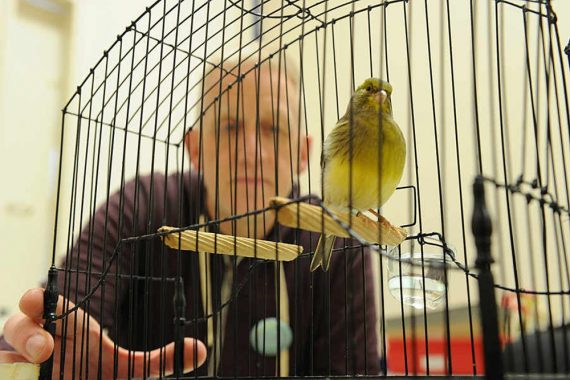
{"x":250,"y":142}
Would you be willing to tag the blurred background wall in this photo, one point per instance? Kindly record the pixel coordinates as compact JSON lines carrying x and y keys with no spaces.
{"x":46,"y":49}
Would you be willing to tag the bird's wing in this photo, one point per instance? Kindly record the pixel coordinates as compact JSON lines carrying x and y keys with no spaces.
{"x":335,"y":144}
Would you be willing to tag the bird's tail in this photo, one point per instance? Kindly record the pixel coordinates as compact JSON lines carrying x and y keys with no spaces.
{"x":323,"y":253}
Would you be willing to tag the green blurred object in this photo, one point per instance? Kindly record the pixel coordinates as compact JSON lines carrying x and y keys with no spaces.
{"x":264,"y":336}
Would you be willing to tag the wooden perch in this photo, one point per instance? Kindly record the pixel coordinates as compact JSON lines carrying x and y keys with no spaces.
{"x":309,"y":217}
{"x":199,"y":241}
{"x":19,"y":371}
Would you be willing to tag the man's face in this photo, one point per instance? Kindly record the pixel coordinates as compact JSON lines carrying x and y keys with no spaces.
{"x":251,"y":146}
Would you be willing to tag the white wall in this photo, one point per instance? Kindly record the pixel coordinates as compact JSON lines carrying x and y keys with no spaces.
{"x":97,"y":25}
{"x":46,"y":48}
{"x":33,"y":77}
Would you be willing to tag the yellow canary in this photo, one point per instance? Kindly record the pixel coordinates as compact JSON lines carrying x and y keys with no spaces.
{"x":368,"y":122}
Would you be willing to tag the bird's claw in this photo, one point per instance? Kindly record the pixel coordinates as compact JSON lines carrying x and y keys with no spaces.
{"x":374,"y":212}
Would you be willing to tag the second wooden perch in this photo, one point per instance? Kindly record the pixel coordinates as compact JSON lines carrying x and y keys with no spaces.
{"x":310,"y":217}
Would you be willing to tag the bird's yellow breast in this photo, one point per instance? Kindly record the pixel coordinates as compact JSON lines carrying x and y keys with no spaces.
{"x":372,"y":182}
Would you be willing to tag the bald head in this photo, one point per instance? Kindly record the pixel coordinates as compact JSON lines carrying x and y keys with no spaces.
{"x":250,"y":78}
{"x":252,"y":146}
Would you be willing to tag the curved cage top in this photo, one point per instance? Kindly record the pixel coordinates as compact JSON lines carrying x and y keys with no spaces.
{"x":149,"y":85}
{"x":149,"y":80}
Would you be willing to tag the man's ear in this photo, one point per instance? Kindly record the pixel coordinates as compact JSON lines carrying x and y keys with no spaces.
{"x":304,"y":152}
{"x":192,"y":144}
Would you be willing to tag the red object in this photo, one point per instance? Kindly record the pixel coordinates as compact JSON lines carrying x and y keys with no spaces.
{"x":509,"y":302}
{"x":461,"y":356}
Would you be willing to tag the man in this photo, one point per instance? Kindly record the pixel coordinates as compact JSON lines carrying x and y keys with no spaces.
{"x":248,"y":148}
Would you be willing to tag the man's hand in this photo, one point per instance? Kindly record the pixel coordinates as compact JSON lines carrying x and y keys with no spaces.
{"x":33,"y":344}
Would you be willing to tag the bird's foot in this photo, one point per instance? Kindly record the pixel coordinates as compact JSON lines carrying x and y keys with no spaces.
{"x":374,"y":212}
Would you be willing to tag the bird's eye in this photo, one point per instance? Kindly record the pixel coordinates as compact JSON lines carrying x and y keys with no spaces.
{"x":369,"y":88}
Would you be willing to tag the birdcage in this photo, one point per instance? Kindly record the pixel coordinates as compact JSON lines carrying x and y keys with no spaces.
{"x":191,"y":196}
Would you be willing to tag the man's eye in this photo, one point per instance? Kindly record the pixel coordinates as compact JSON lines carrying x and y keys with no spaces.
{"x":231,"y":126}
{"x":273,"y":128}
{"x":268,"y":128}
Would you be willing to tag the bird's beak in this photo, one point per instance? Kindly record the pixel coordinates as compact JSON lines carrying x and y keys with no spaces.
{"x":381,"y":97}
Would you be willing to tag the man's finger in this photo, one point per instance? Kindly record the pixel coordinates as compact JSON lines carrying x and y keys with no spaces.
{"x":194,"y":356}
{"x":28,"y":338}
{"x":8,"y":357}
{"x":32,"y":305}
